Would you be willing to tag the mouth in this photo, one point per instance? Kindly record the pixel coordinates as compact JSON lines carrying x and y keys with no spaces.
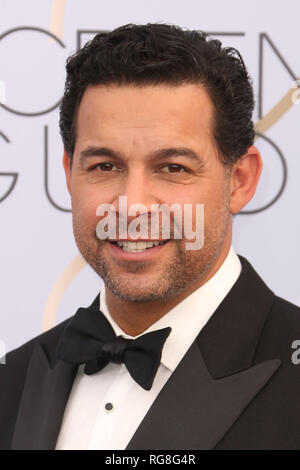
{"x":138,"y":250}
{"x":138,"y":246}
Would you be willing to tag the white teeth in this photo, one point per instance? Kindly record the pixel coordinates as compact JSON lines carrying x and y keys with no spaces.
{"x":136,"y":246}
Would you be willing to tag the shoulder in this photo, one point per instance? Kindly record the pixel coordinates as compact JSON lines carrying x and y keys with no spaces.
{"x":283,"y":309}
{"x":279,"y":319}
{"x":281,"y":335}
{"x":18,"y":358}
{"x":283,"y":319}
{"x":13,"y":375}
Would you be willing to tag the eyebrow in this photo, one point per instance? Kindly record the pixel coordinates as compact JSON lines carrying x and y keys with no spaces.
{"x":160,"y":154}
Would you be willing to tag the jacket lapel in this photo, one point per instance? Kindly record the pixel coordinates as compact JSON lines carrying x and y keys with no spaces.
{"x":43,"y":402}
{"x":217,"y":378}
{"x":212,"y":385}
{"x":193,"y":410}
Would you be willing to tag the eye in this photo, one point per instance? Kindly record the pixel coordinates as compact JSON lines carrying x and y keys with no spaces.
{"x":175,"y":168}
{"x":105,"y":166}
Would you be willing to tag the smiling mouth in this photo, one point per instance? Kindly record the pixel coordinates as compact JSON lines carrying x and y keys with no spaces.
{"x":139,"y":246}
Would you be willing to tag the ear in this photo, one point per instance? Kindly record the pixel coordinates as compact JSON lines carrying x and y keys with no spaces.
{"x":67,"y":168}
{"x":244,"y":178}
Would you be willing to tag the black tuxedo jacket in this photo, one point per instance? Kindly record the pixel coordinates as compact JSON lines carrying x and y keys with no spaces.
{"x":236,"y":387}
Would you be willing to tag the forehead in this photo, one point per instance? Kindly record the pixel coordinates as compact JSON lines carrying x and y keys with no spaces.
{"x":111,"y":111}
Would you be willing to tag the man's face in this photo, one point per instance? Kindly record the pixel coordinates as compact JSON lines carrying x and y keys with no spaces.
{"x":134,"y":123}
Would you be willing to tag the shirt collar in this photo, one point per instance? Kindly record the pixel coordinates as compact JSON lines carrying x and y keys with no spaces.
{"x":189,"y":316}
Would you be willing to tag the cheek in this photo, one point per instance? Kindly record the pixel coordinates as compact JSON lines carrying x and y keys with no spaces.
{"x":200,"y":207}
{"x":84,"y":207}
{"x":217,"y":212}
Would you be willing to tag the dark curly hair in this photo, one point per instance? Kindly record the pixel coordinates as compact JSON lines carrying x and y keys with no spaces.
{"x":163,"y":54}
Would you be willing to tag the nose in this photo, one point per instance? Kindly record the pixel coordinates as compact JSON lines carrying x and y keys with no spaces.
{"x":138,"y":194}
{"x":139,"y":191}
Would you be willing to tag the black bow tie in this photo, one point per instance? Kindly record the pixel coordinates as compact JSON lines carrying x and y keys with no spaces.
{"x":89,"y":338}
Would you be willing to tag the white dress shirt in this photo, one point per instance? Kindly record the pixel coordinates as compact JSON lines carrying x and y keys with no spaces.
{"x":87,"y":423}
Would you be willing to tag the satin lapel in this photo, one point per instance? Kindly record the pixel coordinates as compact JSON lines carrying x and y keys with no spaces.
{"x":43,"y":402}
{"x":217,"y":378}
{"x":212,"y":385}
{"x":194,"y":410}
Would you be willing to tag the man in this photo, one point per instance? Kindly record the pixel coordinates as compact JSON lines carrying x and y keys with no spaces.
{"x":183,"y":348}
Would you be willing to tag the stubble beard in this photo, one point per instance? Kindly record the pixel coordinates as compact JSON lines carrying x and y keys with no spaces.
{"x":174,"y":277}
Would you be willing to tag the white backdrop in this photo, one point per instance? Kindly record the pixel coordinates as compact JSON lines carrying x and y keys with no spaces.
{"x":36,"y":230}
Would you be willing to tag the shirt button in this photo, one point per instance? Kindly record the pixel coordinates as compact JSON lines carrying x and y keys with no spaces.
{"x":108,"y":406}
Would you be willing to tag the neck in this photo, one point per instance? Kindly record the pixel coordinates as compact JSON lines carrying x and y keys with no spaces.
{"x":135,"y":317}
